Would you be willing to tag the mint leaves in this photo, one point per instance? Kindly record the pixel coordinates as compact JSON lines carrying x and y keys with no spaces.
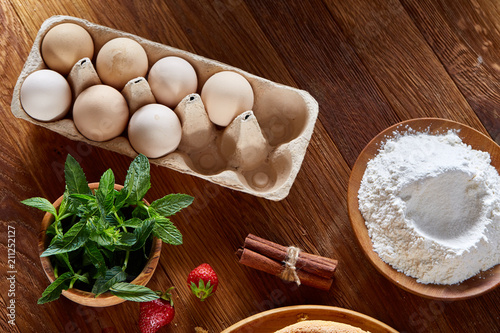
{"x":73,"y":239}
{"x":112,"y":276}
{"x":133,"y":292}
{"x":42,"y":204}
{"x":95,"y":232}
{"x":171,"y":204}
{"x":137,"y":181}
{"x":166,"y":231}
{"x":55,"y":289}
{"x":75,"y":177}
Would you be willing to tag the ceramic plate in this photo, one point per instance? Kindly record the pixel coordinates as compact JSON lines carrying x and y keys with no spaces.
{"x":272,"y":320}
{"x":475,"y":286}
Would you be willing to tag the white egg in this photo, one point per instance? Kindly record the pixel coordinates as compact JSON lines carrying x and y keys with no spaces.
{"x":100,"y":113}
{"x":154,"y":130}
{"x":226,"y":95}
{"x":171,"y":79}
{"x":46,"y":95}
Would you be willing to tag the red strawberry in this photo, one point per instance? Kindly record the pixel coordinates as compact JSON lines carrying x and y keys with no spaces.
{"x":156,"y":313}
{"x":203,"y":281}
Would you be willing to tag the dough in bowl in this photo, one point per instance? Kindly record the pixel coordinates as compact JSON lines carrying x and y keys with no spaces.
{"x":320,"y":326}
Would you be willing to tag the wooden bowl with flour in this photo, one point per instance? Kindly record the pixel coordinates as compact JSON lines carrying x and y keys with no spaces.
{"x":477,"y":285}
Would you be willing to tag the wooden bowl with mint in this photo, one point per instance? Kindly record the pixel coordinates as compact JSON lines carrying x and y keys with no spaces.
{"x":100,"y":243}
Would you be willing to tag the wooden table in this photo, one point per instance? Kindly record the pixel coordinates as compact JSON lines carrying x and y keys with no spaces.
{"x":369,"y":64}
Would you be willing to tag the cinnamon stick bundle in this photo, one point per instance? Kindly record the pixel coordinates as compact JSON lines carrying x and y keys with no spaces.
{"x":312,"y":270}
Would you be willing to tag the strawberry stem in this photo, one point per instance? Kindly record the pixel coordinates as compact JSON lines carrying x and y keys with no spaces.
{"x":201,"y":290}
{"x":167,"y":296}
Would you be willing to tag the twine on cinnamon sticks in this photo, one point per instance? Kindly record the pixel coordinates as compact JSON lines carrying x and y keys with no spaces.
{"x":290,"y":271}
{"x":288,"y":263}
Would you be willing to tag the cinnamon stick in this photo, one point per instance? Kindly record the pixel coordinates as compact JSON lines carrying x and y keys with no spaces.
{"x":321,"y":266}
{"x":258,"y":261}
{"x":269,"y":257}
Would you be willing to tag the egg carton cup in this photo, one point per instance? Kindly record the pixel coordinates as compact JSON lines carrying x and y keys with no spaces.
{"x":259,"y":153}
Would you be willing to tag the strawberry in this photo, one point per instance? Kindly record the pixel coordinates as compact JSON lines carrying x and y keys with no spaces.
{"x":156,"y":313}
{"x":203,"y":281}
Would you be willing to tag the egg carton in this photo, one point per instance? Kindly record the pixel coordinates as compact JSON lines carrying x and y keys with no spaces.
{"x":259,"y":153}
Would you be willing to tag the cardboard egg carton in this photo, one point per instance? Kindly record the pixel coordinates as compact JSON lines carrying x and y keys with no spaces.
{"x":259,"y":153}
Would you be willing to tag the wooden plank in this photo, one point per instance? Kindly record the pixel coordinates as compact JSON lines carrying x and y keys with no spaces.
{"x":405,"y":68}
{"x":465,"y":36}
{"x":228,"y":32}
{"x":352,"y":107}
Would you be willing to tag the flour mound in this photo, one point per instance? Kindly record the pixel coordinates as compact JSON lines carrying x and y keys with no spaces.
{"x":432,"y":207}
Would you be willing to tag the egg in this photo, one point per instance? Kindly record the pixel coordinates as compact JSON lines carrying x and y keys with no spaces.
{"x":121,"y":60}
{"x":171,"y":79}
{"x":226,"y":95}
{"x":46,"y":95}
{"x":100,"y":113}
{"x":64,"y":45}
{"x":154,"y":130}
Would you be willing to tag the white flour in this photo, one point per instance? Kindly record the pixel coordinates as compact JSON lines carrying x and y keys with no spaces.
{"x":432,"y":207}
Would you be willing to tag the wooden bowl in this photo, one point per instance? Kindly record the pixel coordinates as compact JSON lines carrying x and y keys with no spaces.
{"x":275,"y":319}
{"x":85,"y":297}
{"x":476,"y":285}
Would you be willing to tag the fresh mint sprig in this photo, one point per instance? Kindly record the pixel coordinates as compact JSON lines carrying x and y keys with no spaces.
{"x":94,"y":233}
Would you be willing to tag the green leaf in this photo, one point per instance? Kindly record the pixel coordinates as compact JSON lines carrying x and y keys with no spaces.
{"x":73,"y":239}
{"x":166,"y":231}
{"x":105,"y":194}
{"x":88,"y":209}
{"x":137,"y":181}
{"x":133,"y":292}
{"x":121,"y":197}
{"x":96,"y":258}
{"x":142,"y":233}
{"x":111,"y":248}
{"x":126,"y":239}
{"x":51,"y":230}
{"x":112,"y":276}
{"x":83,"y":198}
{"x":95,"y":224}
{"x":55,"y":239}
{"x":78,"y":277}
{"x":140,"y":212}
{"x":75,"y":177}
{"x":107,"y":253}
{"x":84,"y":278}
{"x":133,"y":223}
{"x":63,"y":257}
{"x":64,"y":203}
{"x":106,"y":183}
{"x":105,"y":237}
{"x":54,"y":290}
{"x":42,"y":204}
{"x":67,"y":206}
{"x":111,"y":220}
{"x":85,"y":204}
{"x":101,"y":238}
{"x":172,"y":203}
{"x":113,"y":233}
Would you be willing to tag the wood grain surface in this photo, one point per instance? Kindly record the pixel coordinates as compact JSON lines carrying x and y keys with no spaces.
{"x":369,"y":64}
